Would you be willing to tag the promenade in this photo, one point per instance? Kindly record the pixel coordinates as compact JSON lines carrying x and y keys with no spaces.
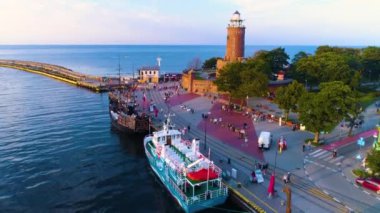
{"x":235,"y":154}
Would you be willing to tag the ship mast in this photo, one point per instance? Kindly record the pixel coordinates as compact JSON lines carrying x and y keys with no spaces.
{"x":119,"y":68}
{"x":120,"y":90}
{"x":208,"y":171}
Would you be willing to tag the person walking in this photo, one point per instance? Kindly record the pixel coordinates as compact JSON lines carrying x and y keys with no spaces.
{"x":303,"y":147}
{"x":286,"y":178}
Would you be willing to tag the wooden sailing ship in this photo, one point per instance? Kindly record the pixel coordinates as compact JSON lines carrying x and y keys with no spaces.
{"x":125,"y":113}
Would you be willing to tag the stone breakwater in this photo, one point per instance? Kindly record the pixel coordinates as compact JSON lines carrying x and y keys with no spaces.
{"x":91,"y":82}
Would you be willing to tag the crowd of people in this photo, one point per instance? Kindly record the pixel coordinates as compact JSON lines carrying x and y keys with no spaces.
{"x":240,"y":130}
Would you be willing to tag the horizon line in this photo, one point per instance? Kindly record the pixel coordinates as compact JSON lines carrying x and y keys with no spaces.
{"x":125,"y":44}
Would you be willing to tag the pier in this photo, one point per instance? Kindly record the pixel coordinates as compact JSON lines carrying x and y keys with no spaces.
{"x":91,"y":82}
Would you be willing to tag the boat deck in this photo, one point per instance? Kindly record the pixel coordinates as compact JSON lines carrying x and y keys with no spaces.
{"x":200,"y":189}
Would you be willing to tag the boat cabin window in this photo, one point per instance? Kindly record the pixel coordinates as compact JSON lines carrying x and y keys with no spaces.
{"x":163,"y":138}
{"x":158,"y":139}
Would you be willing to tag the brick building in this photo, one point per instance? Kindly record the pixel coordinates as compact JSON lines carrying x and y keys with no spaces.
{"x":194,"y":83}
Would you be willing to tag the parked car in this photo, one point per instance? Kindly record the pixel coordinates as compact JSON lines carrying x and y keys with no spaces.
{"x":259,"y":176}
{"x":372,"y":184}
{"x":265,"y":140}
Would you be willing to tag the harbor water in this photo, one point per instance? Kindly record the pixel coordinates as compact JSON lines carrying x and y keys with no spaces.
{"x":57,"y":149}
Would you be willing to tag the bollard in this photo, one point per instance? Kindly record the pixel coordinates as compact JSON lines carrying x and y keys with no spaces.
{"x":239,"y":185}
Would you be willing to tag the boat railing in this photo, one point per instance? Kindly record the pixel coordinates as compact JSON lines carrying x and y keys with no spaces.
{"x":221,"y":192}
{"x":217,"y":169}
{"x":178,"y":191}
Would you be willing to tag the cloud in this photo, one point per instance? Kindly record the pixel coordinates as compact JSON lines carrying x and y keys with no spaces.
{"x":345,"y":22}
{"x":73,"y":21}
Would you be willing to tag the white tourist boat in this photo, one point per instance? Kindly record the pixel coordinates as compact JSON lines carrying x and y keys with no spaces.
{"x":191,"y":178}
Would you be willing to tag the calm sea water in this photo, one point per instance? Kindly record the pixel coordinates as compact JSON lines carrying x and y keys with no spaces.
{"x":57,"y":150}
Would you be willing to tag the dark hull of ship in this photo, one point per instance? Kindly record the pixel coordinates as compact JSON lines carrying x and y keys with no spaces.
{"x":127,"y":130}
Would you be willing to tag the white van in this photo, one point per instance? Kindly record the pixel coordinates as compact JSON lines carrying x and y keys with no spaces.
{"x":265,"y":140}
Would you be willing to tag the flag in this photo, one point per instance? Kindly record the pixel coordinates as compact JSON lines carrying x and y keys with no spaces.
{"x":271,"y":185}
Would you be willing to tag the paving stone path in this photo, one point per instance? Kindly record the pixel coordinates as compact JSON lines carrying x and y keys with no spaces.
{"x":223,"y":133}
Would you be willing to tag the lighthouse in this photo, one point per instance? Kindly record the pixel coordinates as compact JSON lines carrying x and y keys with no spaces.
{"x":235,"y":39}
{"x":235,"y":42}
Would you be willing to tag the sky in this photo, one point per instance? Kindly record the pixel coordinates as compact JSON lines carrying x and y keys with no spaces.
{"x":268,"y":22}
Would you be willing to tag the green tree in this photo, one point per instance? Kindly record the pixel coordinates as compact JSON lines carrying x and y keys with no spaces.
{"x":354,"y":113}
{"x":373,"y":162}
{"x":261,"y":54}
{"x":287,"y":97}
{"x":355,"y":80}
{"x":299,"y":56}
{"x":292,"y":72}
{"x":254,"y":83}
{"x":334,"y":67}
{"x":210,"y":63}
{"x":229,"y":78}
{"x":277,"y":59}
{"x":259,"y":65}
{"x":371,"y":62}
{"x":339,"y":50}
{"x":309,"y":69}
{"x":325,"y":67}
{"x":324,"y":110}
{"x":350,"y":55}
{"x":241,"y":79}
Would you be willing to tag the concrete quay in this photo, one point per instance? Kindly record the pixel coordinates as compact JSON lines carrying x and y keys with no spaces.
{"x":231,"y":153}
{"x":91,"y":82}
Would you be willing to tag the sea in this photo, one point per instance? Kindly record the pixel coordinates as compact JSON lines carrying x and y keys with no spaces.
{"x":58,"y":151}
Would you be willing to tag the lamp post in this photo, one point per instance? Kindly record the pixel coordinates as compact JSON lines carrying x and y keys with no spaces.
{"x":361,"y":143}
{"x":275,"y":162}
{"x":205,"y":144}
{"x":375,"y":144}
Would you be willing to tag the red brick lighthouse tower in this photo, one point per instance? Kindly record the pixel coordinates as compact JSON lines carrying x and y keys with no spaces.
{"x":235,"y":42}
{"x":235,"y":39}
